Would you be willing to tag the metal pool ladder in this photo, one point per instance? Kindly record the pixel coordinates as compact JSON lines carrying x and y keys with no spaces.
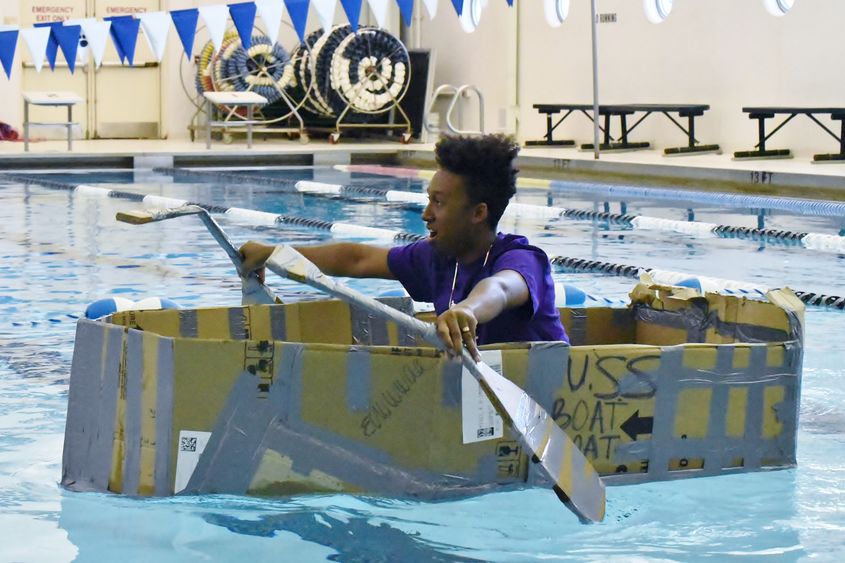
{"x":456,"y":92}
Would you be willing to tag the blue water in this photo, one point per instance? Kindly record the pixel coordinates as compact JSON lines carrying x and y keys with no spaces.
{"x":61,"y":251}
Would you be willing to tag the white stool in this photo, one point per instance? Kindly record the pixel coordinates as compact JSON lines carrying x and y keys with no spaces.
{"x":68,"y":99}
{"x":232,"y":99}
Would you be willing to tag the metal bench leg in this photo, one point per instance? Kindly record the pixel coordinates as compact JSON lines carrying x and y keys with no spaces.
{"x":25,"y":126}
{"x":209,"y":110}
{"x":761,"y":133}
{"x":249,"y":111}
{"x":691,"y":132}
{"x":70,"y":128}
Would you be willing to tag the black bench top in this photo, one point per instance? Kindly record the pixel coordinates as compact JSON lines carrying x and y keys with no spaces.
{"x":620,"y":108}
{"x":787,"y":109}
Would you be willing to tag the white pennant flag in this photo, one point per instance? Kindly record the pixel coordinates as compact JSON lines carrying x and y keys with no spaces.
{"x":270,"y":12}
{"x":431,"y":8}
{"x":156,"y":26}
{"x":97,"y":34}
{"x":325,"y":11}
{"x":215,"y":20}
{"x":379,"y":9}
{"x":36,"y":41}
{"x":83,"y":49}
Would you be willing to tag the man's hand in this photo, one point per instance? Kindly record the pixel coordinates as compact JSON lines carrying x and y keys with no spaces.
{"x":255,"y":255}
{"x":456,"y":328}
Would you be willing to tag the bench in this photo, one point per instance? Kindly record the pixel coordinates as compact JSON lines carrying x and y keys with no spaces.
{"x":761,"y":114}
{"x":232,"y":100}
{"x":49,"y":99}
{"x":623,"y":111}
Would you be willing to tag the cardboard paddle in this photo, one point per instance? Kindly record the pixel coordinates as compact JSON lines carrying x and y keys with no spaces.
{"x":254,"y":292}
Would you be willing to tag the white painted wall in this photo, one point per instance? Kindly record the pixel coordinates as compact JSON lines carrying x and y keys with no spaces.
{"x":726,"y":53}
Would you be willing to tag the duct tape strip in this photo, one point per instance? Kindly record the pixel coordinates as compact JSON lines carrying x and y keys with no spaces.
{"x":164,"y":417}
{"x":358,"y":379}
{"x":132,"y":415}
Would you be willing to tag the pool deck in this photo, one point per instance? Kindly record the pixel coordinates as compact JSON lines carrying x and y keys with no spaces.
{"x":797,"y":177}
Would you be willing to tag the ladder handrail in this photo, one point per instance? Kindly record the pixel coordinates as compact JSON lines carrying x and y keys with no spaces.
{"x":456,"y":92}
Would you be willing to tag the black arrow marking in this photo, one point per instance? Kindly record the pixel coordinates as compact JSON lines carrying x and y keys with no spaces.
{"x":636,"y":425}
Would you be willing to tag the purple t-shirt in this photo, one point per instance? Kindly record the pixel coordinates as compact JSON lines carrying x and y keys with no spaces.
{"x":427,"y":276}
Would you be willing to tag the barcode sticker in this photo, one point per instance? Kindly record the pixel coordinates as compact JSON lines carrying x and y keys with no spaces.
{"x":191,"y":445}
{"x":479,"y":417}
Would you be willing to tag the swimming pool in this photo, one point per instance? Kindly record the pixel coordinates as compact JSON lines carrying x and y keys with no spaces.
{"x":63,"y":250}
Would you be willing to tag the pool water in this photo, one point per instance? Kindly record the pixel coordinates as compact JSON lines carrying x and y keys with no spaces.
{"x":61,"y":251}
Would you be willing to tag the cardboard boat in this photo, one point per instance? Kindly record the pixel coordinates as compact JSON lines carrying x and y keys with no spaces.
{"x":322,"y":397}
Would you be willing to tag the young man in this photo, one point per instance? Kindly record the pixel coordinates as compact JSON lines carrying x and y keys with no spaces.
{"x":486,"y":287}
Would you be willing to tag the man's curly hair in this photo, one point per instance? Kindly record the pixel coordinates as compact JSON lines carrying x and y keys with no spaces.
{"x":486,"y":166}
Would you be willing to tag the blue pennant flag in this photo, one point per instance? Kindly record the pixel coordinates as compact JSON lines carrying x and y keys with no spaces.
{"x":459,"y":6}
{"x":185,"y":22}
{"x":406,"y":8}
{"x":124,"y":33}
{"x":510,"y":3}
{"x":244,"y":17}
{"x":52,"y":44}
{"x":353,"y":12}
{"x":67,"y":37}
{"x":8,"y":42}
{"x":298,"y":12}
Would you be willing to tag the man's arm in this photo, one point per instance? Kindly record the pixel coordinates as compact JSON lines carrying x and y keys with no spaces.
{"x":342,"y":259}
{"x":504,"y":290}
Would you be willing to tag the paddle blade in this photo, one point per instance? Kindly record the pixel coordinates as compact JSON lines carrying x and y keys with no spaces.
{"x":576,"y":482}
{"x":143,"y":216}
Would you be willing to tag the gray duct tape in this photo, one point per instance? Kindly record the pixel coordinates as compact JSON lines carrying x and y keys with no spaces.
{"x":278,"y":328}
{"x":132,"y":420}
{"x":367,"y":329}
{"x":696,"y":322}
{"x":547,"y":365}
{"x":754,"y":412}
{"x":86,"y":458}
{"x":164,"y":418}
{"x":670,"y":373}
{"x":188,"y":323}
{"x":224,"y":465}
{"x":237,"y":323}
{"x":358,"y":380}
{"x":577,"y":329}
{"x":451,"y":383}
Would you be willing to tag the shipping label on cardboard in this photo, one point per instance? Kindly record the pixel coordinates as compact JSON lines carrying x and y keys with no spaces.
{"x":191,"y":445}
{"x":480,"y":420}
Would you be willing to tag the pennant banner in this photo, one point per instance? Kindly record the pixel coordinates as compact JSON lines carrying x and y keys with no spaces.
{"x":298,"y":12}
{"x":406,"y":8}
{"x":215,"y":20}
{"x":185,"y":22}
{"x":244,"y":17}
{"x":36,"y":39}
{"x":8,"y":43}
{"x":67,"y":37}
{"x":156,"y":25}
{"x":379,"y":10}
{"x":270,"y":12}
{"x":459,"y":6}
{"x":431,"y":8}
{"x":325,"y":11}
{"x":97,"y":34}
{"x":52,"y":43}
{"x":83,"y":49}
{"x":353,"y":12}
{"x":124,"y":34}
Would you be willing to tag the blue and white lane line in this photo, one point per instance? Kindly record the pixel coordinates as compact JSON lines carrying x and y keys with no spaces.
{"x":564,"y":262}
{"x":812,"y":241}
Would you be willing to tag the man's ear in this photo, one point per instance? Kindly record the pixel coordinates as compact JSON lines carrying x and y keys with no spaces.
{"x":480,"y":213}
